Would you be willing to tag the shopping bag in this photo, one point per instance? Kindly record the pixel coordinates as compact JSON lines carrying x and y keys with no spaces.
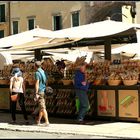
{"x":49,"y":91}
{"x":14,"y":97}
{"x":78,"y":105}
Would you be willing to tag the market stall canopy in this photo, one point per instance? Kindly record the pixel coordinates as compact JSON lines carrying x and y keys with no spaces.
{"x":26,"y":55}
{"x":98,"y":29}
{"x":96,"y":33}
{"x":107,"y":33}
{"x":130,"y":49}
{"x":5,"y":59}
{"x":33,"y":39}
{"x":86,"y":35}
{"x":24,"y":37}
{"x":71,"y":55}
{"x":90,"y":34}
{"x":21,"y":55}
{"x":42,"y":43}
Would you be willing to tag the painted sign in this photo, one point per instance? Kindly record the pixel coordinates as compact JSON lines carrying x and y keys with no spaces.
{"x":106,"y":102}
{"x":128,"y":103}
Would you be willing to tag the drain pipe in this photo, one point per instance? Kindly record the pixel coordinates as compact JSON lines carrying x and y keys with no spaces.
{"x":9,"y":16}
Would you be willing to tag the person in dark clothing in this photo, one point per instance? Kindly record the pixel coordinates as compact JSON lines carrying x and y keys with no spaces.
{"x":81,"y":88}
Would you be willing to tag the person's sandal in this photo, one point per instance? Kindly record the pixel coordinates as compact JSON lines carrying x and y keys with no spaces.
{"x":38,"y":122}
{"x":46,"y":124}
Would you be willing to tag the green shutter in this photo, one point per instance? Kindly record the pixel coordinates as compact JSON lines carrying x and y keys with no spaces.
{"x":60,"y":22}
{"x":15,"y":27}
{"x":57,"y":22}
{"x":75,"y":19}
{"x":54,"y":22}
{"x":1,"y":33}
{"x":31,"y":24}
{"x":2,"y":13}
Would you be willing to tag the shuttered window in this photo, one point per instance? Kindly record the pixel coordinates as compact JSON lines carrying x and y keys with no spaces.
{"x":1,"y":33}
{"x":15,"y":27}
{"x":31,"y":24}
{"x":57,"y":22}
{"x":75,"y":19}
{"x":2,"y":13}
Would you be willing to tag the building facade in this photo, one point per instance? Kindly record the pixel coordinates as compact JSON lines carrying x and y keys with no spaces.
{"x":52,"y":15}
{"x":4,"y":19}
{"x":138,"y":12}
{"x":19,"y":16}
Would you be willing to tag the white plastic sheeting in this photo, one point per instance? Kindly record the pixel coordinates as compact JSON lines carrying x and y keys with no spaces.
{"x":72,"y":55}
{"x":21,"y":55}
{"x":39,"y":38}
{"x":131,"y":48}
{"x":97,"y":29}
{"x":24,"y":37}
{"x":33,"y":39}
{"x":5,"y":59}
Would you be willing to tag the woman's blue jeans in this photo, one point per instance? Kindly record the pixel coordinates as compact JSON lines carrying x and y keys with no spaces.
{"x":84,"y":103}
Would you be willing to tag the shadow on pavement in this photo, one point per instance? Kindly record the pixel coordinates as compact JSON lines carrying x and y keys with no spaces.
{"x":5,"y":117}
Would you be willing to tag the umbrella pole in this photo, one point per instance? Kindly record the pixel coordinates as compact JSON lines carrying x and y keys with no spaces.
{"x":107,"y":49}
{"x":38,"y":55}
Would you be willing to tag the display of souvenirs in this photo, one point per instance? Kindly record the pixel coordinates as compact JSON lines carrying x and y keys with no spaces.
{"x":100,"y":72}
{"x":63,"y":101}
{"x":97,"y":73}
{"x":76,"y":64}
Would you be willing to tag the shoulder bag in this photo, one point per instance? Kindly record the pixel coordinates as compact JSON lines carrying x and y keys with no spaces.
{"x":14,"y":97}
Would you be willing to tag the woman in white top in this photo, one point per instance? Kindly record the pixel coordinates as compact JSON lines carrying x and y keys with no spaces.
{"x":17,"y":87}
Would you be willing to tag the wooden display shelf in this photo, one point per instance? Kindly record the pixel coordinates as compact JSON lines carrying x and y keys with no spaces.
{"x":116,"y":93}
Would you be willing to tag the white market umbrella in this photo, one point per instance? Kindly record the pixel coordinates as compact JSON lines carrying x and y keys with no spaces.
{"x":5,"y":59}
{"x":97,"y":29}
{"x":24,"y":37}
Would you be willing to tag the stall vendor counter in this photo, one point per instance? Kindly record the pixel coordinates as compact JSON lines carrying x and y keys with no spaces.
{"x":115,"y":102}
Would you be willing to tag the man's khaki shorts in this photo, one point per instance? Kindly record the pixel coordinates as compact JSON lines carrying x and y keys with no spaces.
{"x":41,"y":100}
